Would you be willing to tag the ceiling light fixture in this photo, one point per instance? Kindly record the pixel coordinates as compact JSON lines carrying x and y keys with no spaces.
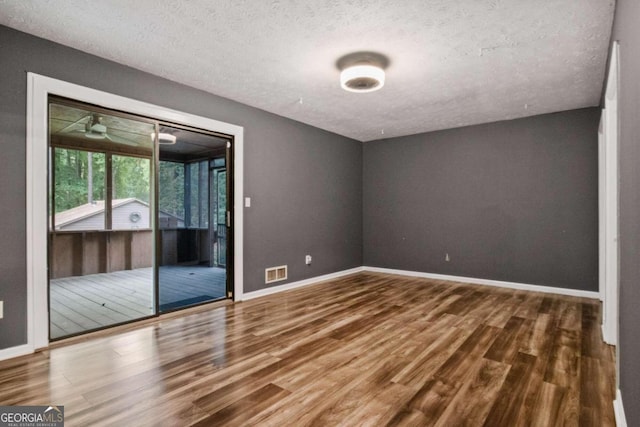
{"x":164,"y":138}
{"x":362,"y":78}
{"x":94,"y":128}
{"x":362,"y":71}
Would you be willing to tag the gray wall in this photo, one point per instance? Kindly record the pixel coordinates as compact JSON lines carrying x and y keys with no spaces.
{"x":627,"y":32}
{"x":305,"y":183}
{"x":513,"y":201}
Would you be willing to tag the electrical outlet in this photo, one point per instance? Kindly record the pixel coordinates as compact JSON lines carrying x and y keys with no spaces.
{"x":307,"y":260}
{"x":1,"y":309}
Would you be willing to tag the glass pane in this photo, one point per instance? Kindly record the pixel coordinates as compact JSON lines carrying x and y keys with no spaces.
{"x":197,"y":190}
{"x":221,"y":213}
{"x":79,"y":190}
{"x":203,"y":195}
{"x":83,"y":128}
{"x":171,"y":195}
{"x":194,"y":195}
{"x":101,"y":256}
{"x":221,"y":184}
{"x":190,"y":270}
{"x":131,"y":193}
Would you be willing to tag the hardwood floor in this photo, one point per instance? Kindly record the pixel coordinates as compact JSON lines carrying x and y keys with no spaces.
{"x":367,"y":349}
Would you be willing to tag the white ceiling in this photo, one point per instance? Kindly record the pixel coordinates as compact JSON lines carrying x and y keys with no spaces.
{"x":453,"y":62}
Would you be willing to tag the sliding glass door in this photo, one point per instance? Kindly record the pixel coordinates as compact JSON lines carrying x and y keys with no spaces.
{"x":191,"y":241}
{"x":137,"y":217}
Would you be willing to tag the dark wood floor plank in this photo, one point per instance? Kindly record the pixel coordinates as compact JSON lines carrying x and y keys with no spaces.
{"x":501,"y":350}
{"x":547,"y":410}
{"x":564,"y":369}
{"x":481,"y":390}
{"x":239,"y":412}
{"x":454,"y":375}
{"x":538,"y":344}
{"x":503,"y":312}
{"x":406,"y":417}
{"x":508,"y":406}
{"x":422,"y":368}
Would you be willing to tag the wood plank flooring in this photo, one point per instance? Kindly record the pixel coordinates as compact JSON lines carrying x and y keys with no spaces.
{"x":84,"y":303}
{"x":367,"y":349}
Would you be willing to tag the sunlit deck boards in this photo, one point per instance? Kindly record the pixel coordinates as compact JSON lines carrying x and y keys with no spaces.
{"x":180,"y":285}
{"x":94,"y":301}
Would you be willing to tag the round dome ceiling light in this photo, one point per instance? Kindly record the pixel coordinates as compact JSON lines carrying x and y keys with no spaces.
{"x":362,"y":71}
{"x":164,"y":138}
{"x":362,"y":78}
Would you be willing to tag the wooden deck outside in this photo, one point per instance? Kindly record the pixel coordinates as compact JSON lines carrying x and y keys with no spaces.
{"x":84,"y":303}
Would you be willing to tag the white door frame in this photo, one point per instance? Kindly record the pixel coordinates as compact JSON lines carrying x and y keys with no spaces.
{"x":602,"y":214}
{"x":608,"y":202}
{"x":38,"y":90}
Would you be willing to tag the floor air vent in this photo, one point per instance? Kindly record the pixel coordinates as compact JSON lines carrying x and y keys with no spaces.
{"x":275,"y":274}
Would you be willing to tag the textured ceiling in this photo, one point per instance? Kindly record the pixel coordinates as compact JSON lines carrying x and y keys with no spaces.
{"x":452,"y":63}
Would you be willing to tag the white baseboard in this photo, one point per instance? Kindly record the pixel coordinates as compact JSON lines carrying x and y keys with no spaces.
{"x":607,"y":337}
{"x":299,"y":284}
{"x":618,"y":409}
{"x":487,"y":282}
{"x":11,"y":352}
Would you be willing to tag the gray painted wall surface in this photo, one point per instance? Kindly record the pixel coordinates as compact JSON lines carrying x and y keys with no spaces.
{"x":305,"y":183}
{"x":627,"y":32}
{"x":513,"y":201}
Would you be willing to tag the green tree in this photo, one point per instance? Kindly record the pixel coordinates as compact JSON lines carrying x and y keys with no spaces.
{"x":131,"y":177}
{"x":171,"y":191}
{"x":72,"y":180}
{"x":221,"y":184}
